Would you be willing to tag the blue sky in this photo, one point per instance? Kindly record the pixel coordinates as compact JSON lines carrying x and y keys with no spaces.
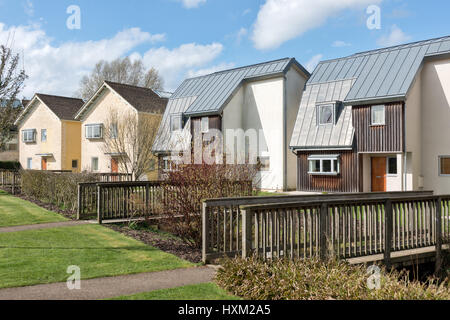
{"x":184,"y":38}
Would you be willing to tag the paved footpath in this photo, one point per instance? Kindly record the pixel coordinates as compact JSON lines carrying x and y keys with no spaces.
{"x":45,"y":226}
{"x":104,"y":288}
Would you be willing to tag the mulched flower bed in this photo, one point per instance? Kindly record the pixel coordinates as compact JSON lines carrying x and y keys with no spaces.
{"x":164,"y":243}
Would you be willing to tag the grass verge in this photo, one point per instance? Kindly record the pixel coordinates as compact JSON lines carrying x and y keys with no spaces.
{"x":204,"y":291}
{"x":42,"y":256}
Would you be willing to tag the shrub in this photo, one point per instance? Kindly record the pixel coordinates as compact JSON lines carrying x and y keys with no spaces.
{"x":312,"y":279}
{"x":60,"y":189}
{"x":9,"y":165}
{"x":189,"y":185}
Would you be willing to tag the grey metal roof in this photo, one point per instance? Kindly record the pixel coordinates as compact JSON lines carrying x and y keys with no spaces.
{"x":209,"y":94}
{"x":307,"y":134}
{"x":380,"y":74}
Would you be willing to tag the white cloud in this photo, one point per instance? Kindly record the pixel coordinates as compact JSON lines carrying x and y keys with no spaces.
{"x":175,"y":64}
{"x":58,"y":69}
{"x":241,"y":34}
{"x":395,"y":37}
{"x":216,"y":68}
{"x":189,"y":4}
{"x":313,"y":62}
{"x":340,"y":44}
{"x":281,"y":20}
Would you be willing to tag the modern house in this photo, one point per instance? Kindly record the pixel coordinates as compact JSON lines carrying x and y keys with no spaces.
{"x":377,"y":121}
{"x":253,"y":103}
{"x":50,"y":137}
{"x":104,"y":115}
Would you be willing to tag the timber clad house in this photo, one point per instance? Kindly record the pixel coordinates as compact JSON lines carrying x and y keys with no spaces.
{"x":122,"y":100}
{"x":264,"y":97}
{"x":377,"y":121}
{"x":49,"y":136}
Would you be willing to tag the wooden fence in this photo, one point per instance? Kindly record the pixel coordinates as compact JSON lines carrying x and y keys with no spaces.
{"x":10,"y":180}
{"x":128,"y":200}
{"x":360,"y":217}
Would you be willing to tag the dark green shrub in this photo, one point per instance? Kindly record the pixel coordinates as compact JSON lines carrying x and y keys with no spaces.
{"x":9,"y":165}
{"x":312,"y":279}
{"x":60,"y":189}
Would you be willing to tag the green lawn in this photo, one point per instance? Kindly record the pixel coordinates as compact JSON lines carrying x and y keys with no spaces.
{"x":204,"y":291}
{"x":16,"y":212}
{"x":42,"y":256}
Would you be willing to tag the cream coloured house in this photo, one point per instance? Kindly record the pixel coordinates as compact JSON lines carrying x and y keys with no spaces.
{"x":49,"y":136}
{"x":103,"y":113}
{"x":252,"y":107}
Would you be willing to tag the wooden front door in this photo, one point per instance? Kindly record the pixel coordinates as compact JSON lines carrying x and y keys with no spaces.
{"x":114,"y":165}
{"x":44,"y":164}
{"x":378,"y":174}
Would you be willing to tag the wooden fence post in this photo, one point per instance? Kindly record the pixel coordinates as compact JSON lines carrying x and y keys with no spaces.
{"x":147,"y":199}
{"x":438,"y":235}
{"x":79,"y":202}
{"x":99,"y":204}
{"x":205,"y":232}
{"x":323,"y":219}
{"x":388,"y":233}
{"x":246,"y":233}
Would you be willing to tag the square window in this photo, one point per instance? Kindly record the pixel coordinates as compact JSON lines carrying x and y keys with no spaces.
{"x":176,"y":122}
{"x":94,"y":131}
{"x":94,"y":164}
{"x":392,"y":165}
{"x":326,"y":114}
{"x":74,"y":164}
{"x":29,"y":136}
{"x":378,"y":115}
{"x":43,"y":135}
{"x":444,"y":165}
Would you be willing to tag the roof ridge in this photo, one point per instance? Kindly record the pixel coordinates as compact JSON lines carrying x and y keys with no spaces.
{"x":390,"y":48}
{"x":128,"y":85}
{"x":55,"y":96}
{"x":237,"y":68}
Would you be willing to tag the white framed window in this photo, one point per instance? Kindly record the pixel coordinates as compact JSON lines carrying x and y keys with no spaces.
{"x":94,"y":131}
{"x":29,"y":163}
{"x":29,"y":135}
{"x":326,"y":114}
{"x":444,"y":166}
{"x":94,"y":164}
{"x":114,"y":131}
{"x":176,"y":122}
{"x":205,"y":124}
{"x":44,"y":135}
{"x":324,"y":164}
{"x":392,"y":169}
{"x":378,"y":115}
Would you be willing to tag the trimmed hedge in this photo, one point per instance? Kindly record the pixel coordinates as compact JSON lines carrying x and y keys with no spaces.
{"x":9,"y":165}
{"x":311,"y":279}
{"x":60,"y":189}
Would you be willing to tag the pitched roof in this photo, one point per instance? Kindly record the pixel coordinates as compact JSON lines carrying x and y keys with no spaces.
{"x":65,"y":108}
{"x":214,"y":90}
{"x":163,"y":94}
{"x":142,"y":99}
{"x":386,"y":73}
{"x":381,"y":75}
{"x":210,"y":93}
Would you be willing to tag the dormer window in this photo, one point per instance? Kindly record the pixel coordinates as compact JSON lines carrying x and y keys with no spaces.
{"x":327,"y":113}
{"x":29,"y":136}
{"x":176,"y":122}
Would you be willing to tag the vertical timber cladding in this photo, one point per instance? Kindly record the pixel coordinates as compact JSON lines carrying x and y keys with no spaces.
{"x":215,"y":122}
{"x":387,"y":138}
{"x":348,"y":180}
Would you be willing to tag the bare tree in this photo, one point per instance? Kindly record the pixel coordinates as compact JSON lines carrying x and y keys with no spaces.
{"x":129,"y":138}
{"x":11,"y":83}
{"x":122,"y":71}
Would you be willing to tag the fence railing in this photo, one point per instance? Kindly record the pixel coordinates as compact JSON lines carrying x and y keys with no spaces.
{"x":224,"y":224}
{"x":127,"y":200}
{"x":10,"y":180}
